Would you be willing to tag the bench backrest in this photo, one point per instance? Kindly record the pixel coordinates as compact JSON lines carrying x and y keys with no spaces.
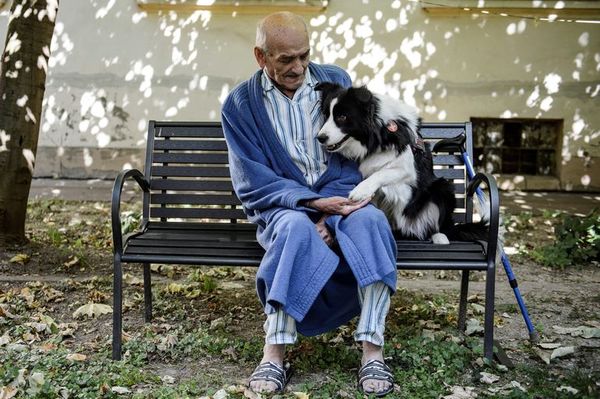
{"x":187,"y":166}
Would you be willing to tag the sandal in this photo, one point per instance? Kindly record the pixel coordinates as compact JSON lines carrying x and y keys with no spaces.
{"x":375,"y":370}
{"x":271,"y":372}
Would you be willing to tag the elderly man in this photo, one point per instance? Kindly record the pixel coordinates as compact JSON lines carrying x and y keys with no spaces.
{"x":327,"y":259}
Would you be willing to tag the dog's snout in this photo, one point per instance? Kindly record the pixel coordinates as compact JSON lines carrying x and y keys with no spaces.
{"x":322,"y":138}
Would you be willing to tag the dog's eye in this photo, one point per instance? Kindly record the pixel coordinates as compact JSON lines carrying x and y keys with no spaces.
{"x":340,"y":118}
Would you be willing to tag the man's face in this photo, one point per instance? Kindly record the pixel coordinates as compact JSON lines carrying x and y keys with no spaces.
{"x":286,"y":61}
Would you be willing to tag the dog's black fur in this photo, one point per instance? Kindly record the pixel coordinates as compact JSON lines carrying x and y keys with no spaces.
{"x":383,"y":135}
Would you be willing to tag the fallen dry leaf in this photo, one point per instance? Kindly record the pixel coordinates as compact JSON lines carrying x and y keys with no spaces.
{"x":52,"y":294}
{"x":459,"y":392}
{"x":220,"y":394}
{"x":473,"y":327}
{"x":562,"y":351}
{"x":132,"y":280}
{"x":477,"y":308}
{"x":92,"y":310}
{"x":579,"y":331}
{"x":549,"y":345}
{"x":4,"y":339}
{"x":488,"y":378}
{"x":4,"y":312}
{"x":564,"y":388}
{"x":248,"y":393}
{"x":8,"y":392}
{"x":28,"y":296}
{"x":544,"y":355}
{"x":120,"y":390}
{"x":76,"y":357}
{"x":20,"y":259}
{"x":73,"y":261}
{"x":36,"y":382}
{"x":167,"y":379}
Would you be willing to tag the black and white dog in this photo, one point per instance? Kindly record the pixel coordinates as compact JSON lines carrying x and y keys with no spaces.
{"x":382,"y":135}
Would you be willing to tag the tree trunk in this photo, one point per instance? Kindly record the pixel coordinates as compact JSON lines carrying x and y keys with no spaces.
{"x":23,"y":71}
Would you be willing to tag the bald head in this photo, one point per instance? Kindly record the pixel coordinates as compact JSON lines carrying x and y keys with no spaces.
{"x":283,"y":50}
{"x":278,"y":28}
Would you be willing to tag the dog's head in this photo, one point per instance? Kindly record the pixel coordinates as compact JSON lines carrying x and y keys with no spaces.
{"x":359,"y":123}
{"x":350,"y":119}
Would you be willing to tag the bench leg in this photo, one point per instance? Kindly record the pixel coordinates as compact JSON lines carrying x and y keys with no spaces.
{"x":488,"y":339}
{"x":147,"y":293}
{"x":117,"y":309}
{"x":462,"y":305}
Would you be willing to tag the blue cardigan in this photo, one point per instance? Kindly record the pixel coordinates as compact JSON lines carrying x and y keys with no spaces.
{"x":267,"y":182}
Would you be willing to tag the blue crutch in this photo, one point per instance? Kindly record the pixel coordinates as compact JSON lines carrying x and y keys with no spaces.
{"x":458,"y":142}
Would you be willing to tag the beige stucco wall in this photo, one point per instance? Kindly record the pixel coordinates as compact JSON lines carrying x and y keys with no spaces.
{"x":114,"y":67}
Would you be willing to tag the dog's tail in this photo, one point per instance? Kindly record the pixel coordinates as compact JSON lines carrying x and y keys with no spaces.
{"x":477,"y":231}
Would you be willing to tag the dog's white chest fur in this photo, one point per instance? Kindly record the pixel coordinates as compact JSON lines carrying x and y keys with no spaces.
{"x":390,"y":175}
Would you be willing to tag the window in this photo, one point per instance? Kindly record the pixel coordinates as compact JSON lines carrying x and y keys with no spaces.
{"x":235,"y":6}
{"x":545,"y":10}
{"x":516,"y":146}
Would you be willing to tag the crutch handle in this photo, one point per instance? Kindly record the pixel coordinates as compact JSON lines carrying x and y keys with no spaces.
{"x":451,"y":144}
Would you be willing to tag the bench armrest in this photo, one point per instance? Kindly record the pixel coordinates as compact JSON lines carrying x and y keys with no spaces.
{"x":493,"y":201}
{"x":117,"y":233}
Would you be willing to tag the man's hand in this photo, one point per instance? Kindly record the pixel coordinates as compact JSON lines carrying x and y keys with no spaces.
{"x":324,"y":231}
{"x":337,"y":205}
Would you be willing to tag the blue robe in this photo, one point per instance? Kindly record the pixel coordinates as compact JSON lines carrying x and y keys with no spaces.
{"x":315,"y":284}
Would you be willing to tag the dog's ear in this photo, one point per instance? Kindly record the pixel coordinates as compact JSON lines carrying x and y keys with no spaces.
{"x":329,"y":90}
{"x":327,"y":87}
{"x":362,"y":94}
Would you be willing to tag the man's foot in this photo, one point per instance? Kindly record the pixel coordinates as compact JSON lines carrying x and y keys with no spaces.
{"x":374,"y":376}
{"x":271,"y":354}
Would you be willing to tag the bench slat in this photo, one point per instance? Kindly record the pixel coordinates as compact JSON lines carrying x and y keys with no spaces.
{"x":193,"y":158}
{"x":189,"y":251}
{"x":197,"y":213}
{"x":446,"y":159}
{"x":440,"y":265}
{"x":218,"y":260}
{"x":190,"y":185}
{"x":191,"y":129}
{"x":193,"y":243}
{"x":450,"y":174}
{"x":240,"y":228}
{"x":425,"y":255}
{"x":194,"y":199}
{"x":190,"y":145}
{"x":440,"y":132}
{"x":214,"y":236}
{"x":190,"y":171}
{"x":454,"y":246}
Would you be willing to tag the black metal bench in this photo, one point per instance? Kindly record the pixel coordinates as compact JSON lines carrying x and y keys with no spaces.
{"x":192,"y":216}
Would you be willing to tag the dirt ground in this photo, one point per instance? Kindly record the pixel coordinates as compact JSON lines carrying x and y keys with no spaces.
{"x":70,"y":256}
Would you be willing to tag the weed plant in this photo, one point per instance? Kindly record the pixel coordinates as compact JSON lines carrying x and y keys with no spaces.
{"x":577,"y":241}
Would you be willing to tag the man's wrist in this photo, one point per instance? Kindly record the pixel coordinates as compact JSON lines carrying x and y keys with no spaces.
{"x":309,"y":203}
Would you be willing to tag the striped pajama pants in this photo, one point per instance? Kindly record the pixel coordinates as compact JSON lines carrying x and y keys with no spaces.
{"x":374,"y":299}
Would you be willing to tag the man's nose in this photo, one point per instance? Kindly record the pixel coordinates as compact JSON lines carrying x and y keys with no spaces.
{"x":299,"y":66}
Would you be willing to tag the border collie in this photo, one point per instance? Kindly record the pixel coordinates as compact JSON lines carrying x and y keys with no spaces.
{"x":382,"y":135}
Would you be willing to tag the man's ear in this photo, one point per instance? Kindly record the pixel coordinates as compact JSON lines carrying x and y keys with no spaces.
{"x":261,"y":57}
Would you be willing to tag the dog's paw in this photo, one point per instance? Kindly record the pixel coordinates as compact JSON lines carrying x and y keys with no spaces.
{"x":362,"y":192}
{"x":440,"y":238}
